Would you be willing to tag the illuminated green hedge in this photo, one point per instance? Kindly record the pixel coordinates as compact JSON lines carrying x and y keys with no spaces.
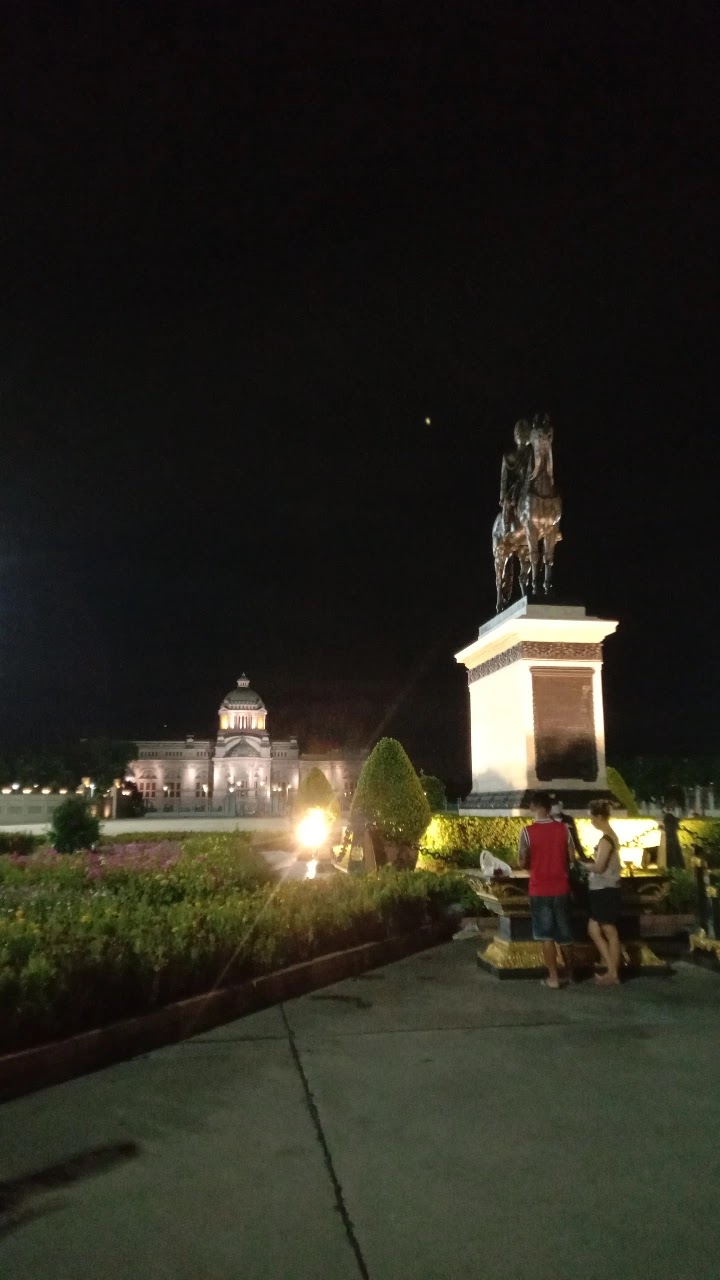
{"x":704,"y":832}
{"x":459,"y":840}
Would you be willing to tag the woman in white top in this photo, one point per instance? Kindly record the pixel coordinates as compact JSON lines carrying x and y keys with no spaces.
{"x":605,"y":897}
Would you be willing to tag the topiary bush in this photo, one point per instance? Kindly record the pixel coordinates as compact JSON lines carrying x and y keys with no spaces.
{"x":389,"y":794}
{"x":315,"y":792}
{"x":622,"y":792}
{"x":73,"y":826}
{"x":434,"y":789}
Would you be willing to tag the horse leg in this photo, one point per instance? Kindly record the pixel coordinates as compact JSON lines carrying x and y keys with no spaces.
{"x":549,"y":542}
{"x":525,"y":573}
{"x":508,"y":579}
{"x":500,"y":562}
{"x":534,"y":553}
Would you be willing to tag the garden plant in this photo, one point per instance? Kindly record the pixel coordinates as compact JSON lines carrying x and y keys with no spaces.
{"x":390,"y":799}
{"x":89,"y":938}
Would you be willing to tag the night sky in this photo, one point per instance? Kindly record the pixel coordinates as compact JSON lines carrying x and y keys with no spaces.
{"x":246,"y":250}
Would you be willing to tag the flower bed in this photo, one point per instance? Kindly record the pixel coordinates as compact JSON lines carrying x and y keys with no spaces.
{"x":90,"y":938}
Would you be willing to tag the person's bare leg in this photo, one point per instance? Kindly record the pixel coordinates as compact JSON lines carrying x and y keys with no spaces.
{"x":598,"y":937}
{"x":566,"y":950}
{"x":612,"y":942}
{"x":550,"y":958}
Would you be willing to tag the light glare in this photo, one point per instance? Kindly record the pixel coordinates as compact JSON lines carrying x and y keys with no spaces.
{"x":313,"y":829}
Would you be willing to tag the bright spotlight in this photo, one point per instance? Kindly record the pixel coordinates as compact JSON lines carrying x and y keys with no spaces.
{"x":313,"y":829}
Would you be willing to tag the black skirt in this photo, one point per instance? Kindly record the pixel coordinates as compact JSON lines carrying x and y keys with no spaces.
{"x":605,"y":905}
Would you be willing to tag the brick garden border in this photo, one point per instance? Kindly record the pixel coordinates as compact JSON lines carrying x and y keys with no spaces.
{"x":59,"y":1060}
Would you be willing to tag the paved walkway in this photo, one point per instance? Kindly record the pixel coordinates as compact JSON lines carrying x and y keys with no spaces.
{"x":422,"y":1122}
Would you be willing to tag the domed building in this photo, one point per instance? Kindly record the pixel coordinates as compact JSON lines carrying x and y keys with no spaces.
{"x":241,"y":772}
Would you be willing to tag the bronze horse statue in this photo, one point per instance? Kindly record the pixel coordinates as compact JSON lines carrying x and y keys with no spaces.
{"x":530,"y":514}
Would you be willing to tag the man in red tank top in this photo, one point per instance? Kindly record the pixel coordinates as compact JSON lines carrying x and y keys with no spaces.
{"x":546,"y":847}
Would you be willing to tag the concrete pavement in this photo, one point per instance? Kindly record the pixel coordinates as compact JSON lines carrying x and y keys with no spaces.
{"x":420,"y":1122}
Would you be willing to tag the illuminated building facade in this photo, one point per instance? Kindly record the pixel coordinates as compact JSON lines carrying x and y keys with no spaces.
{"x":242,"y":772}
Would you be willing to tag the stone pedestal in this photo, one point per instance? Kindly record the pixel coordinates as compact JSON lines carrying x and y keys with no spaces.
{"x":536,"y":708}
{"x":512,"y":953}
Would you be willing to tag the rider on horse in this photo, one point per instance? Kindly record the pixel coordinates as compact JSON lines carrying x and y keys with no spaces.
{"x":513,"y":474}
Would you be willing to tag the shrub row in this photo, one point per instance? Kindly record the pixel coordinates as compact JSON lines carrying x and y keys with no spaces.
{"x":22,"y":842}
{"x":704,"y":832}
{"x":458,"y":840}
{"x":88,"y":939}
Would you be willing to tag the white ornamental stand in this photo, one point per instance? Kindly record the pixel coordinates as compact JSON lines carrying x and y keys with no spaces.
{"x":536,"y":708}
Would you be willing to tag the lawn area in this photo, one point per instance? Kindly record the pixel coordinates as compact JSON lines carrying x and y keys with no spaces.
{"x":88,"y":938}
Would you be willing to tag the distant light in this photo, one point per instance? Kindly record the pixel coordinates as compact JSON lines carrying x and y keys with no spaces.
{"x":46,"y":791}
{"x":427,"y":422}
{"x":16,"y":786}
{"x":27,"y":791}
{"x":311,"y":869}
{"x":63,"y":791}
{"x":7,"y":791}
{"x":313,"y":828}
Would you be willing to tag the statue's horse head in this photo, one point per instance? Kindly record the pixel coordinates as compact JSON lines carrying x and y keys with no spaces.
{"x":541,"y":438}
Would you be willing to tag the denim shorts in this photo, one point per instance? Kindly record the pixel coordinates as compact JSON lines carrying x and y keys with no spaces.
{"x":551,"y":919}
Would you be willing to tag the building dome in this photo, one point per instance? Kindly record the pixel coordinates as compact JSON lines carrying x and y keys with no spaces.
{"x":243,"y":697}
{"x":242,"y":708}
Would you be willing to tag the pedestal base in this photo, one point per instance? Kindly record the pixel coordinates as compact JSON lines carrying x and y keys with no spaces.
{"x":513,"y":953}
{"x":536,"y":708}
{"x":510,"y":959}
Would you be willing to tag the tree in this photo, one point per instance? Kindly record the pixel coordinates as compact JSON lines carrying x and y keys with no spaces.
{"x":389,"y":794}
{"x":130,"y":805}
{"x":434,"y":789}
{"x":73,"y":826}
{"x":670,"y":780}
{"x":103,"y":760}
{"x":622,"y":792}
{"x":315,"y":792}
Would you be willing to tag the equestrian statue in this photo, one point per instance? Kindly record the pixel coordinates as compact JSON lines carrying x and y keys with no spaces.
{"x":530,"y":510}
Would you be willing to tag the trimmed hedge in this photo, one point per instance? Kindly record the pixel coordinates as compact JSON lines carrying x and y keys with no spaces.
{"x":20,"y":842}
{"x":458,"y":841}
{"x":390,"y":795}
{"x":455,"y":840}
{"x":435,"y":793}
{"x":315,"y":792}
{"x":704,"y":832}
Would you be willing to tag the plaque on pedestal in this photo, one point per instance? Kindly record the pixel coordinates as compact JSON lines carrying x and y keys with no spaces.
{"x":536,"y":708}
